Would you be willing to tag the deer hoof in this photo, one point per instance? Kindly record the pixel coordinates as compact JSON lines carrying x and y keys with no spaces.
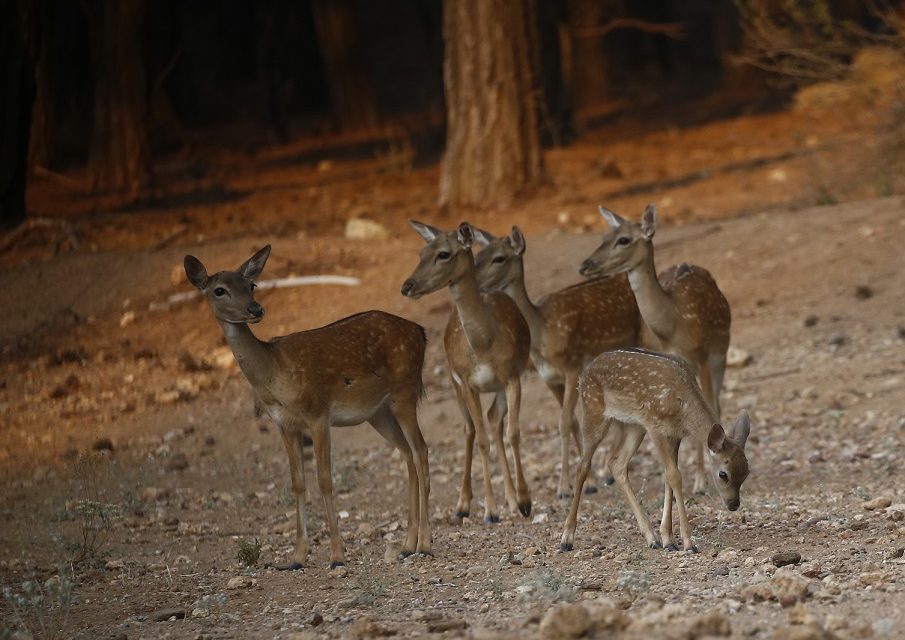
{"x":671,"y":547}
{"x":491,"y":519}
{"x":590,"y":490}
{"x":563,"y":495}
{"x":565,"y":546}
{"x":524,"y":508}
{"x":609,"y":480}
{"x":461,"y":514}
{"x":404,"y":554}
{"x":692,"y":549}
{"x":654,"y":544}
{"x":335,"y":564}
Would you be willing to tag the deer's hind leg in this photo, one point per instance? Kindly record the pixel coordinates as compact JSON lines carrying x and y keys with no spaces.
{"x":386,"y":425}
{"x":406,"y":411}
{"x":633,"y":434}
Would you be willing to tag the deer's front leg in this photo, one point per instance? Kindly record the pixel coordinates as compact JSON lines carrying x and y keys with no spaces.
{"x":473,"y":405}
{"x":293,"y":440}
{"x":320,"y":434}
{"x":513,"y":432}
{"x":668,"y":448}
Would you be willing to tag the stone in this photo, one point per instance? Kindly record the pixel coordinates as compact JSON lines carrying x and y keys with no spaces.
{"x":365,"y":229}
{"x":162,"y":615}
{"x":102,"y":444}
{"x":446,"y":624}
{"x":738,"y":358}
{"x":364,"y":628}
{"x":863,"y":292}
{"x":811,"y":321}
{"x":569,"y":620}
{"x":783,"y":558}
{"x":710,"y":624}
{"x":606,"y":616}
{"x":176,"y":462}
{"x":877,"y":503}
{"x":239,"y":582}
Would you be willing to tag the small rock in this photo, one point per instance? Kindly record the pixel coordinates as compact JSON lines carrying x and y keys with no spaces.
{"x":127,"y":318}
{"x":783,"y":558}
{"x":837,"y":339}
{"x":569,"y":620}
{"x":316,"y":620}
{"x":239,"y":582}
{"x":176,"y":462}
{"x":738,"y":358}
{"x":102,"y":444}
{"x":877,"y":503}
{"x":364,"y":628}
{"x":201,"y":612}
{"x":365,"y":229}
{"x":439,"y":626}
{"x":710,"y":624}
{"x":810,"y":321}
{"x":162,"y":615}
{"x":863,"y":292}
{"x":339,"y":572}
{"x":113,"y":565}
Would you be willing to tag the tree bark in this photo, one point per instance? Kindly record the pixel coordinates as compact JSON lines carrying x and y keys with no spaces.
{"x":492,"y":145}
{"x":16,"y":100}
{"x":119,"y":162}
{"x":587,"y":79}
{"x":352,"y":101}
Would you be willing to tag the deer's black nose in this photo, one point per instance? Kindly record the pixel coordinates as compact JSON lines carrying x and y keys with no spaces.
{"x":407,"y":287}
{"x":586,"y":267}
{"x":255,"y":310}
{"x":733,"y":504}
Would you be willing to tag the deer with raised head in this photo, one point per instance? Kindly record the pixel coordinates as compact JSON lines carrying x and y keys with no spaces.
{"x":684,"y":307}
{"x":487,"y":343}
{"x":366,"y":367}
{"x":640,"y":393}
{"x":569,"y":327}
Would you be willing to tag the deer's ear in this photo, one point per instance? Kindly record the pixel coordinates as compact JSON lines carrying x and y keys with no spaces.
{"x":253,"y":267}
{"x":482,"y":237}
{"x":742,"y":429}
{"x":426,"y":231}
{"x":612,"y":219}
{"x":195,"y":272}
{"x":649,"y":221}
{"x":716,"y":438}
{"x":517,"y":240}
{"x":465,"y":235}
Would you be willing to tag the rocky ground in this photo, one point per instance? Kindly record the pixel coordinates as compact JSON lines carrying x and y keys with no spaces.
{"x":134,"y":467}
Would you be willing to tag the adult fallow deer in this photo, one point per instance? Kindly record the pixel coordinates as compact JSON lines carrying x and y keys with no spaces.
{"x":487,"y":344}
{"x":366,"y":367}
{"x":684,"y":308}
{"x":569,"y":327}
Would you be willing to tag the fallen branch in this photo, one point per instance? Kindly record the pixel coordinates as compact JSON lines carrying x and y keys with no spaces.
{"x":277,"y":283}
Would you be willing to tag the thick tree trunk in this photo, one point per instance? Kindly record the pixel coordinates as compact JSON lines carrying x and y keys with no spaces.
{"x":119,"y":161}
{"x":16,"y":99}
{"x":492,"y":146}
{"x":352,"y":101}
{"x":587,"y":80}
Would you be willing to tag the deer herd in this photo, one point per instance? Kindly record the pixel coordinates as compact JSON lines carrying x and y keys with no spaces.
{"x":642,"y":354}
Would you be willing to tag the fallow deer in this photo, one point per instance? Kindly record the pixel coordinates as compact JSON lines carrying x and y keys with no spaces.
{"x":366,"y":367}
{"x":569,"y":327}
{"x":641,"y":392}
{"x":684,"y":308}
{"x":487,"y":343}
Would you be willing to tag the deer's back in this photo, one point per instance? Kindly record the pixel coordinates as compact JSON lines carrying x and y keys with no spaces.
{"x":589,"y":318}
{"x":703,"y":308}
{"x":373,"y":348}
{"x":640,"y":387}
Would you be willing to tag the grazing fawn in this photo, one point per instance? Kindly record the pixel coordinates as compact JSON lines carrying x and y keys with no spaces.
{"x":641,"y":392}
{"x":366,"y":367}
{"x":684,"y":308}
{"x":487,"y":344}
{"x":568,"y":327}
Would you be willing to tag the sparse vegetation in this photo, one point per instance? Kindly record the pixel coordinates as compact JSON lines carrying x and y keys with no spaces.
{"x":40,"y":609}
{"x":368,"y":590}
{"x":249,"y":552}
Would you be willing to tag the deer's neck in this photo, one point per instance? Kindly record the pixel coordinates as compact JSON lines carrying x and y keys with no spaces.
{"x":254,"y":358}
{"x":473,"y":313}
{"x":532,"y":314}
{"x":656,"y":307}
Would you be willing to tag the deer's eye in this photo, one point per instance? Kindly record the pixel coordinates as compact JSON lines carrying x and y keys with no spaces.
{"x":724,"y":476}
{"x":623,"y":241}
{"x":499,"y":260}
{"x":219,"y":292}
{"x":443,"y":255}
{"x":253,"y":286}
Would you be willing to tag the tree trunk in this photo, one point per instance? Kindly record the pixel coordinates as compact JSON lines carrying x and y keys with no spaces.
{"x":119,"y":161}
{"x":587,"y":80}
{"x":352,"y":102}
{"x":492,"y":146}
{"x":16,"y":101}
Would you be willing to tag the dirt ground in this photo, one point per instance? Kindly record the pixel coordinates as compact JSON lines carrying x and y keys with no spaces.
{"x":94,"y":358}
